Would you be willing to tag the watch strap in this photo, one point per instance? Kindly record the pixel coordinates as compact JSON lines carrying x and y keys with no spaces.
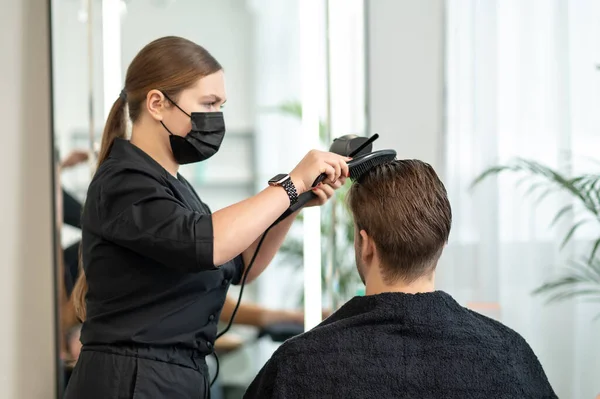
{"x":290,"y":189}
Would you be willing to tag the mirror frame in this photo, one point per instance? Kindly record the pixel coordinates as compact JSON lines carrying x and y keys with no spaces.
{"x":59,"y":376}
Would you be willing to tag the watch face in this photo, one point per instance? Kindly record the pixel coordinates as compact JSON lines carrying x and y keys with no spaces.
{"x":278,"y":179}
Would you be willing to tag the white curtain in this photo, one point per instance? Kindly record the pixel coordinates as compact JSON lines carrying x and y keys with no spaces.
{"x":522,"y":81}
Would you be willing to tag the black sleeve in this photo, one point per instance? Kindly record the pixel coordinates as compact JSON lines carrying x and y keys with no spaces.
{"x":138,"y":212}
{"x":71,"y":210}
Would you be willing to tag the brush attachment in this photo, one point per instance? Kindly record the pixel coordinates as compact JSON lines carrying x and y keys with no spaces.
{"x":357,"y":167}
{"x":360,"y":165}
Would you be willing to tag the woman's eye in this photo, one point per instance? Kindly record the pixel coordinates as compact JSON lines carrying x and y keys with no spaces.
{"x":212,"y":105}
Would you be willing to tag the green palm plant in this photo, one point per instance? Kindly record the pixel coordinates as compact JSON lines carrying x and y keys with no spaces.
{"x":343,"y":274}
{"x":294,"y":109}
{"x":581,"y":277}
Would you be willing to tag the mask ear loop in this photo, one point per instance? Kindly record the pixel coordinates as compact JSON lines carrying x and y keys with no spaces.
{"x":175,"y":104}
{"x":166,"y":128}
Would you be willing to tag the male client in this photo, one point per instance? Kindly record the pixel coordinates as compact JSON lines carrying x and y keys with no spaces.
{"x":403,"y":339}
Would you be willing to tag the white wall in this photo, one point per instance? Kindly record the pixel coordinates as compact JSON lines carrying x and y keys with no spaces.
{"x":405,"y":77}
{"x":26,"y":284}
{"x":224,"y":28}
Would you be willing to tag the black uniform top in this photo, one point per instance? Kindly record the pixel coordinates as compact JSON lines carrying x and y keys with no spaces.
{"x":147,"y":248}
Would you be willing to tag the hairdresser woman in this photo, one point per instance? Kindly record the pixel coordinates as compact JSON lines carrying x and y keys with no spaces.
{"x":156,"y":262}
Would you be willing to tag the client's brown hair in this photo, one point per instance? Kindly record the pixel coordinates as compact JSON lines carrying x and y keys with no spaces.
{"x":404,"y":207}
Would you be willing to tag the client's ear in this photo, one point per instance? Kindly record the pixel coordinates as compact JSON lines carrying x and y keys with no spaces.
{"x":367,"y":247}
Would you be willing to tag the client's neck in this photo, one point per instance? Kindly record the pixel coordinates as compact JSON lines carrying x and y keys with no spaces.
{"x":375,"y":284}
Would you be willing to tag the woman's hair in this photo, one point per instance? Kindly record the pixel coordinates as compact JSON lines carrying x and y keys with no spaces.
{"x":169,"y":64}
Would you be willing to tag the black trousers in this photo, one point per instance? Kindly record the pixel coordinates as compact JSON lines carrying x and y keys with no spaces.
{"x":131,"y":372}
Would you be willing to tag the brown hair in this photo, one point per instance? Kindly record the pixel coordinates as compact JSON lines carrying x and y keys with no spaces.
{"x":404,"y":208}
{"x":169,"y":64}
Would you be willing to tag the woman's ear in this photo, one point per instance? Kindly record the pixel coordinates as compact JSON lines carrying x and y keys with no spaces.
{"x":156,"y":104}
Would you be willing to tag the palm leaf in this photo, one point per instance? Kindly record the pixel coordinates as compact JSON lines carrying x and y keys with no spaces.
{"x":294,"y":109}
{"x":543,"y":195}
{"x":563,"y":211}
{"x":535,"y":186}
{"x":290,"y":108}
{"x":594,"y":250}
{"x":572,"y":231}
{"x":538,"y":170}
{"x":590,"y":187}
{"x":523,"y":179}
{"x":585,"y":189}
{"x":580,"y":279}
{"x":489,"y":172}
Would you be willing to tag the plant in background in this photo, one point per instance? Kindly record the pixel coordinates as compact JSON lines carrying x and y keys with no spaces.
{"x":294,"y":110}
{"x":581,"y":277}
{"x":341,"y":281}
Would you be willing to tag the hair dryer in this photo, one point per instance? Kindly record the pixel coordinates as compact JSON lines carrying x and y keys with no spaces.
{"x":350,"y":146}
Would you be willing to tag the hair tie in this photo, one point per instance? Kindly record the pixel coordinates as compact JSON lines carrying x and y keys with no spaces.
{"x":123,"y":95}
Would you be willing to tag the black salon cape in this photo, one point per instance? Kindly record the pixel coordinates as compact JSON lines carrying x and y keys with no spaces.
{"x":396,"y":345}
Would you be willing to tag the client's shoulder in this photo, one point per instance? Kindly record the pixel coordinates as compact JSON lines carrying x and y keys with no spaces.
{"x":308,"y":341}
{"x":325,"y":337}
{"x":489,"y":325}
{"x":498,"y":331}
{"x":520,"y":357}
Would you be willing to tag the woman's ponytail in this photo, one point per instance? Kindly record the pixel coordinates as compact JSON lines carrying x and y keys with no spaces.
{"x":116,"y":127}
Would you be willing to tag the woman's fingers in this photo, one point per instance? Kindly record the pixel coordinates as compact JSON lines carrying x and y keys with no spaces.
{"x":345,"y":168}
{"x":338,"y":170}
{"x":323,"y":193}
{"x":330,"y":171}
{"x":320,"y":193}
{"x":328,"y":190}
{"x":337,"y":184}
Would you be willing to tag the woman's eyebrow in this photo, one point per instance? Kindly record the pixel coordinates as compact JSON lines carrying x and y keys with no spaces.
{"x":213,"y":97}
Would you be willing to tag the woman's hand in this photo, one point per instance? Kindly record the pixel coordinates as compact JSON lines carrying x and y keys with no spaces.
{"x":74,"y":158}
{"x":315,"y":163}
{"x":325,"y":191}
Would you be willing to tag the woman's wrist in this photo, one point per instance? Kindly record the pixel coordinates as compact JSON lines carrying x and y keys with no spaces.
{"x":298,"y":183}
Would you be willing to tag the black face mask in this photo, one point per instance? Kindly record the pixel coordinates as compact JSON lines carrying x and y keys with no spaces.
{"x":202,"y":142}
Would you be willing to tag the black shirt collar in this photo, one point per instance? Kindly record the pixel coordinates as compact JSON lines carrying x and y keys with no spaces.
{"x":124,"y":150}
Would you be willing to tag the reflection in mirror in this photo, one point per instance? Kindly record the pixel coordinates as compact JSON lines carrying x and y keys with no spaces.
{"x":259,"y":44}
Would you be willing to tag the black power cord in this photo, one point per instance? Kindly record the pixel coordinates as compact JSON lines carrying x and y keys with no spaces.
{"x":239,"y":300}
{"x":302,"y":200}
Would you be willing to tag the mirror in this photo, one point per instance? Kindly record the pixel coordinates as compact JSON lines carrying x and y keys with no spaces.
{"x":283,"y":61}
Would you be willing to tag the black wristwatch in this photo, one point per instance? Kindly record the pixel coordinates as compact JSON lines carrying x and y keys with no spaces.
{"x":286,"y":182}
